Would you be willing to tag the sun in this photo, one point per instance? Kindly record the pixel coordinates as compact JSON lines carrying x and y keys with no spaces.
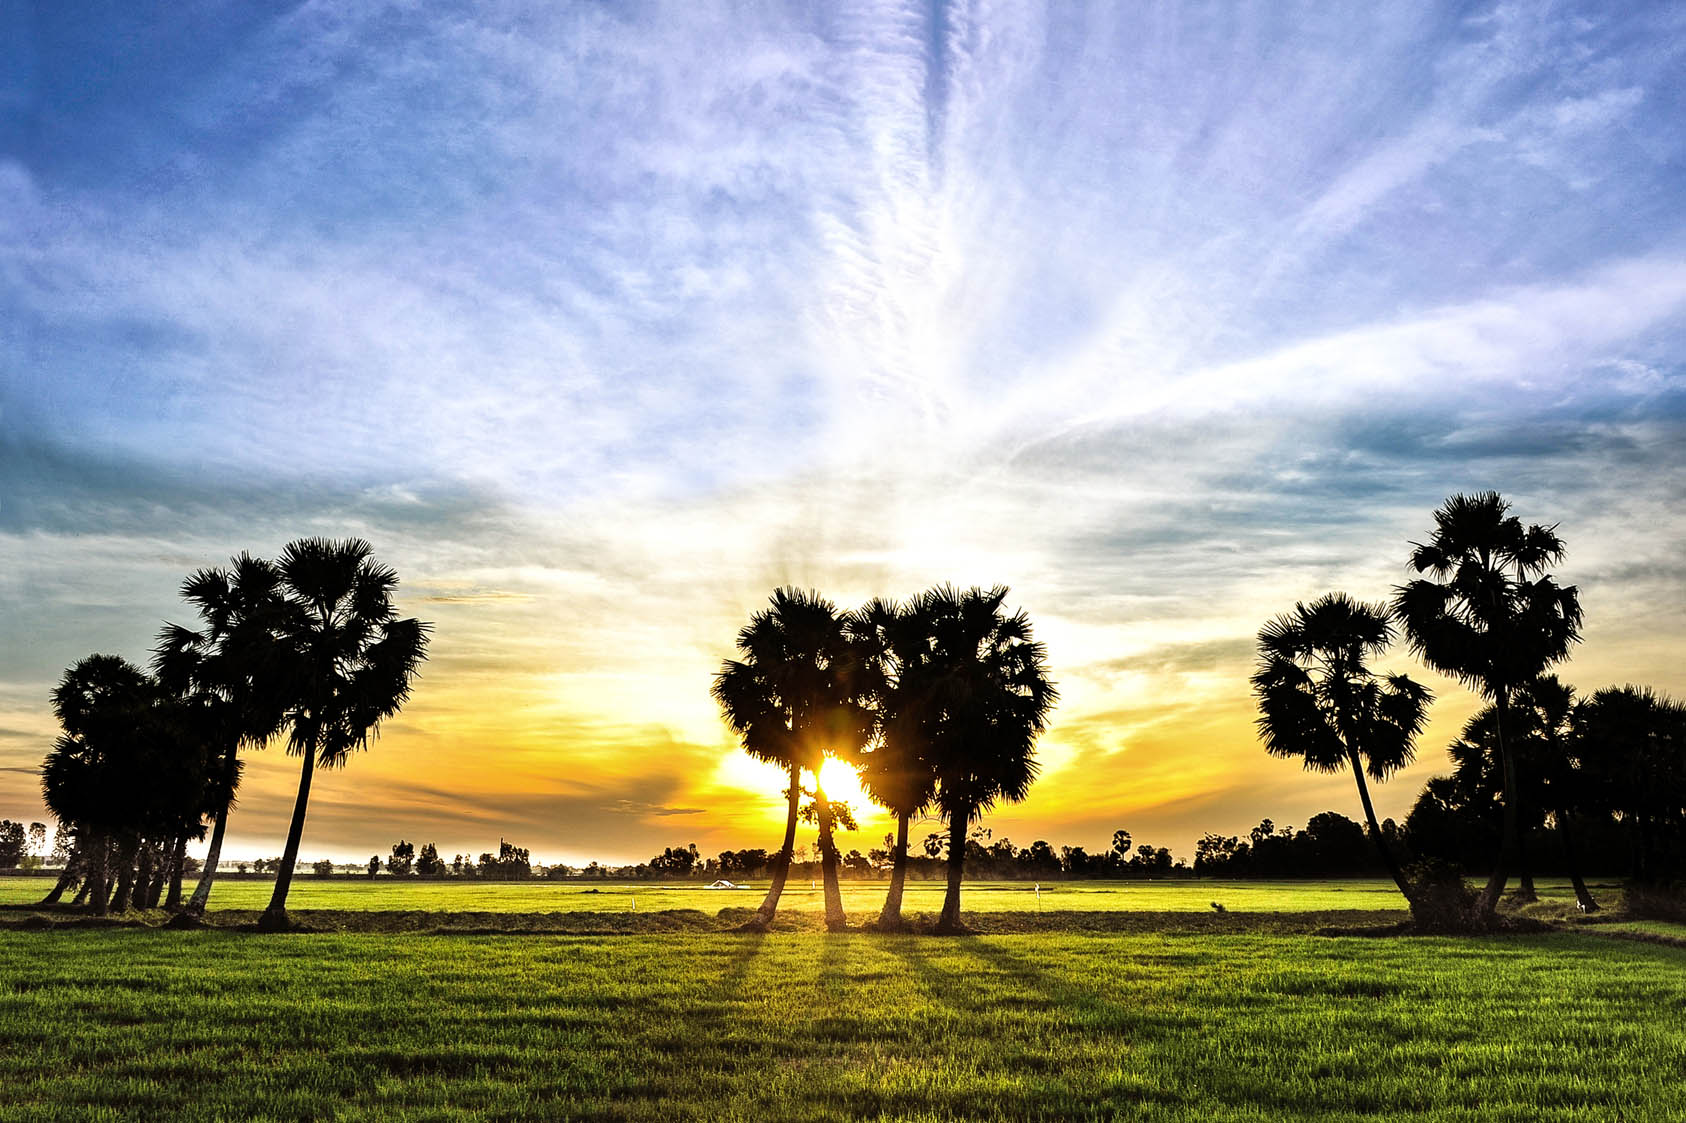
{"x":843,"y":785}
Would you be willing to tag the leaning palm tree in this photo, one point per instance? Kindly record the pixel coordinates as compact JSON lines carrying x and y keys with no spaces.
{"x":892,"y":644}
{"x":790,"y":702}
{"x":984,"y":696}
{"x":232,"y":668}
{"x":1319,"y":700}
{"x":1492,"y":618}
{"x":347,"y":663}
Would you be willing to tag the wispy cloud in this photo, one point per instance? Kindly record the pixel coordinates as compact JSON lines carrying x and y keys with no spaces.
{"x":602,"y":322}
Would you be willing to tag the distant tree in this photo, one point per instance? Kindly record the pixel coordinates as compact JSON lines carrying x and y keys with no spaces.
{"x":510,"y":863}
{"x":789,"y":700}
{"x":37,"y":845}
{"x":1319,"y":700}
{"x":349,"y":663}
{"x":1490,"y":616}
{"x":324,"y":868}
{"x":985,"y":696}
{"x":13,"y":844}
{"x":403,"y":857}
{"x":429,"y":864}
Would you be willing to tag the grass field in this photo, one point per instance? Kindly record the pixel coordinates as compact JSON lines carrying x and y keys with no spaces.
{"x":384,"y":893}
{"x":1180,"y":1013}
{"x":201,"y":1025}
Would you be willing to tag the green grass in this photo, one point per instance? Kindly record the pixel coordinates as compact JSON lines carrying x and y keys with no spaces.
{"x":201,"y":1025}
{"x":386,"y":893}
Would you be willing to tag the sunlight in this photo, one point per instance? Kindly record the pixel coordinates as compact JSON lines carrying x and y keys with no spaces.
{"x":843,"y":785}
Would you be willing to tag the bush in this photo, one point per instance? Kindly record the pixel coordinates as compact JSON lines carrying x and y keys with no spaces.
{"x":324,"y":868}
{"x":1441,"y":901}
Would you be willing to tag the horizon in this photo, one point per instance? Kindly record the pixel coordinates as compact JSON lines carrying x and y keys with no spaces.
{"x":602,"y":325}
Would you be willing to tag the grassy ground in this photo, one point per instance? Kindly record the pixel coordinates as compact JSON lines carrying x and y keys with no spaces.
{"x":136,"y":1024}
{"x":387,"y":893}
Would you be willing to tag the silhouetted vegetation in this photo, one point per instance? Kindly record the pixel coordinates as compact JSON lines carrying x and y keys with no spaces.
{"x":310,"y":645}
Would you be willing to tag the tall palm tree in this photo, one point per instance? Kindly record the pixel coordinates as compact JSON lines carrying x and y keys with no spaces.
{"x":892,"y":644}
{"x":233,"y":668}
{"x":348,"y":664}
{"x":1319,"y":700}
{"x":983,"y":696}
{"x":790,"y":702}
{"x":1490,"y":616}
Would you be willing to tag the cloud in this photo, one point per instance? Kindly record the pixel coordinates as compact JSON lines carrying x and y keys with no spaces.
{"x":602,"y":323}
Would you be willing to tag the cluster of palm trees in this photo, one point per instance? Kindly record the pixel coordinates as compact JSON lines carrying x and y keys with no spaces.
{"x":1485,"y":611}
{"x":308,"y":646}
{"x":937,"y":702}
{"x":1607,"y":767}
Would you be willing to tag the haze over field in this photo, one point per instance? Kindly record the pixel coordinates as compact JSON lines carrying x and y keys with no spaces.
{"x":600,"y":324}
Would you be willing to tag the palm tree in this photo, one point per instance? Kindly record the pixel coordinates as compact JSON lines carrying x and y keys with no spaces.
{"x":127,"y":772}
{"x":1491,"y":618}
{"x":892,"y":642}
{"x":1319,"y":700}
{"x":347,"y":663}
{"x":790,"y":702}
{"x":232,"y":668}
{"x":983,"y":697}
{"x":1551,"y":779}
{"x":83,"y":778}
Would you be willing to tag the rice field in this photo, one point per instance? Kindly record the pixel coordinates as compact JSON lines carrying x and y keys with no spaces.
{"x":859,"y":897}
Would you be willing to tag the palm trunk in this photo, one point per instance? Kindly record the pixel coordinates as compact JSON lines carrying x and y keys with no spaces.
{"x":98,"y":887}
{"x":949,"y":921}
{"x":157,"y":868}
{"x":1488,"y":903}
{"x":274,"y":918}
{"x":67,"y":878}
{"x":173,"y":901}
{"x":781,"y":861}
{"x":835,"y":920}
{"x":1583,"y":897}
{"x":1525,"y":891}
{"x":202,"y":892}
{"x":83,"y":894}
{"x":125,"y":876}
{"x":1388,"y":862}
{"x":890,"y":918}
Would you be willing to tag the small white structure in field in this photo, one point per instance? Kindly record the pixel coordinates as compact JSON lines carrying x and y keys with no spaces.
{"x":723,"y":884}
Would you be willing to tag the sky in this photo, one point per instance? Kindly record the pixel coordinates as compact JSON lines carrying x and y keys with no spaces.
{"x":602,"y":321}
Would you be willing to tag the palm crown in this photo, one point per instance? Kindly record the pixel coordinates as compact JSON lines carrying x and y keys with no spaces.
{"x":1318,"y":698}
{"x":1491,"y":617}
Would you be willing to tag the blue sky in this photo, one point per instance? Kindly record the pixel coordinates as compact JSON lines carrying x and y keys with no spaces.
{"x":602,"y":320}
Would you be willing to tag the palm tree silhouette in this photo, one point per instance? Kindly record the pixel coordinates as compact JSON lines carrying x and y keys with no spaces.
{"x":983,"y":696}
{"x":1491,"y":618}
{"x":233,"y":667}
{"x":347,"y":663}
{"x":790,"y":702}
{"x":892,"y":642}
{"x":1319,"y":700}
{"x":90,"y":775}
{"x":1541,"y":736}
